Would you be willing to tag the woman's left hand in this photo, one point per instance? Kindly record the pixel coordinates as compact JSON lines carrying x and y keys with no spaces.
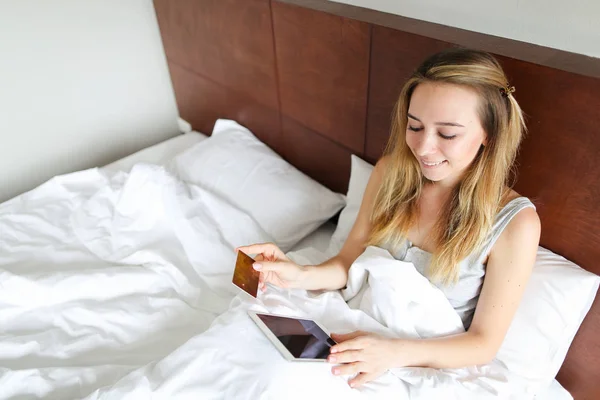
{"x":365,"y":354}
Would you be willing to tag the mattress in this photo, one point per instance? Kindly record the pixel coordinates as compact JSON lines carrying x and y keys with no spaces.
{"x":163,"y":152}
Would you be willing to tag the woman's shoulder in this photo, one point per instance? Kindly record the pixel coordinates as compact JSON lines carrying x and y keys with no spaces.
{"x":381,"y":167}
{"x":525,"y":215}
{"x":524,"y":226}
{"x":507,"y":202}
{"x":383,"y":163}
{"x":520,"y":229}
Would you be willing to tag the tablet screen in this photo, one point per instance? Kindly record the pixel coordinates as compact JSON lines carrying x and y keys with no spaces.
{"x":301,"y":337}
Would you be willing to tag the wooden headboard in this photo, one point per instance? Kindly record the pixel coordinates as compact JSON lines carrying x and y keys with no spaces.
{"x":317,"y":83}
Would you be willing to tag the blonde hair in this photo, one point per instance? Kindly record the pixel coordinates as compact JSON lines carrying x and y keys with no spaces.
{"x":468,"y":215}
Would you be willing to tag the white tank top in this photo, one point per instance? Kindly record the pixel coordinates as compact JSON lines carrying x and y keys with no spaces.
{"x":464,"y":294}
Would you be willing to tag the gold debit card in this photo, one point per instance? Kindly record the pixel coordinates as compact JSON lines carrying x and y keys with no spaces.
{"x":244,"y":276}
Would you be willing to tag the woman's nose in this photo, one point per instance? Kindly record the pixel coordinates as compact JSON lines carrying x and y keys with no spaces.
{"x":426,"y":145}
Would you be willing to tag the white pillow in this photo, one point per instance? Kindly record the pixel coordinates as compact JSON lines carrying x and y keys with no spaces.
{"x":555,"y":302}
{"x":237,"y":166}
{"x":359,"y":177}
{"x":557,"y":299}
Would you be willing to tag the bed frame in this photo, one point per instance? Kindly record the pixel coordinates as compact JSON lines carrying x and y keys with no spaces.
{"x":317,"y":81}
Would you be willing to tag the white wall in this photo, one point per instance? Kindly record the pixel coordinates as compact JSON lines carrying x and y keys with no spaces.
{"x":82,"y":83}
{"x":572,"y":25}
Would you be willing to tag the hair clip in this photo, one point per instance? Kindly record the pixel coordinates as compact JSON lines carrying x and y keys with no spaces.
{"x":507,"y":90}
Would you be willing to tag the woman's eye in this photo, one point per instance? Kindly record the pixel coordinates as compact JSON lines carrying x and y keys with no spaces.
{"x":414,"y":129}
{"x":447,"y":137}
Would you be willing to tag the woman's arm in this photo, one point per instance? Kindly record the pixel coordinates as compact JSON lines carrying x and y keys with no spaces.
{"x":508,"y":269}
{"x":333,"y":273}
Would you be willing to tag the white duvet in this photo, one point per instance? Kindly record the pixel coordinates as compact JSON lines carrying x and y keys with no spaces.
{"x":110,"y":288}
{"x":100,"y":276}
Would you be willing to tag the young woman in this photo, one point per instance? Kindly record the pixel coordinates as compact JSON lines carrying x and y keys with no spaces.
{"x":440,"y":198}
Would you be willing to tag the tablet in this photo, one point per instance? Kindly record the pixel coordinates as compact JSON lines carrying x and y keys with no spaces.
{"x":296,"y":339}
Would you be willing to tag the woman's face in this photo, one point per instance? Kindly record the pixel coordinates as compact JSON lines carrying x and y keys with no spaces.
{"x":443,"y":130}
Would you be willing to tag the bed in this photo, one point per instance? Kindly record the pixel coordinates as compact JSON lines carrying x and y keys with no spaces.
{"x":57,"y":342}
{"x":116,"y":280}
{"x":317,"y":80}
{"x":318,"y":239}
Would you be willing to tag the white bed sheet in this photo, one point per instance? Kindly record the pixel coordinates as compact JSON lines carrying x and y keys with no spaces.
{"x":163,"y":279}
{"x":161,"y":153}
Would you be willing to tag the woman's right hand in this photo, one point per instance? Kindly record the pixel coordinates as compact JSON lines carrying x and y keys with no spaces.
{"x":274,"y":266}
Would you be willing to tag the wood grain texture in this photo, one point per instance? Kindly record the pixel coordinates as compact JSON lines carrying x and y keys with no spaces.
{"x":541,"y":55}
{"x":227,"y":41}
{"x":316,"y":156}
{"x":323,"y":63}
{"x":558,"y":161}
{"x":201,"y":102}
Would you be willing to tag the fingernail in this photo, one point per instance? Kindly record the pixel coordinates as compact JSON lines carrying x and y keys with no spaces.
{"x":336,"y":372}
{"x":351,"y":384}
{"x":332,"y":359}
{"x":257,"y":266}
{"x":333,"y":350}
